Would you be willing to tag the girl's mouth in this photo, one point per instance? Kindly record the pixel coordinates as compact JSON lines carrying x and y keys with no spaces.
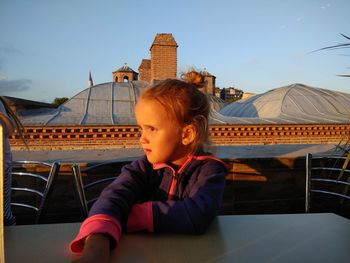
{"x":147,"y":151}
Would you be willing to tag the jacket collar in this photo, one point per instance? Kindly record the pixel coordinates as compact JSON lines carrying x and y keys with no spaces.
{"x":157,"y":166}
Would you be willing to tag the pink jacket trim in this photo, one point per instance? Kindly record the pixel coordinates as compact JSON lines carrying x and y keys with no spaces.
{"x":100,"y":223}
{"x":172,"y":189}
{"x":157,"y":166}
{"x":141,"y":218}
{"x":204,"y":157}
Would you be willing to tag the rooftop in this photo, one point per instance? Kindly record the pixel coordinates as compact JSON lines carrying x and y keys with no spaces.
{"x":125,"y":68}
{"x":164,"y":39}
{"x":296,"y":103}
{"x":113,"y":104}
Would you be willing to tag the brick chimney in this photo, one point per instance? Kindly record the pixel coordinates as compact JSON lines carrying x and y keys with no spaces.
{"x":163,"y":57}
{"x":145,"y":70}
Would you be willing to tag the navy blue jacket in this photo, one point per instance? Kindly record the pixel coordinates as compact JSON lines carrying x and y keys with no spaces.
{"x":195,"y":201}
{"x":158,"y":199}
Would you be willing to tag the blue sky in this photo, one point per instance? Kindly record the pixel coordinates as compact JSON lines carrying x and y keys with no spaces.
{"x":47,"y":48}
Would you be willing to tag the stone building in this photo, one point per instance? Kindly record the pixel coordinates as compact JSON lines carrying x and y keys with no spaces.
{"x":231,"y":94}
{"x":124,"y":74}
{"x":162,"y":65}
{"x":209,"y":87}
{"x":163,"y":57}
{"x":145,"y":70}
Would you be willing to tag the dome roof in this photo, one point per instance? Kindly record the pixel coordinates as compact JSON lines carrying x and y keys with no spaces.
{"x":296,"y":103}
{"x":215,"y":102}
{"x":107,"y":103}
{"x":113,"y":103}
{"x":104,"y":104}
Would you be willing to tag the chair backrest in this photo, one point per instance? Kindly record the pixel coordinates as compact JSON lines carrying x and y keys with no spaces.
{"x":327,"y":184}
{"x":91,"y":180}
{"x":31,"y":184}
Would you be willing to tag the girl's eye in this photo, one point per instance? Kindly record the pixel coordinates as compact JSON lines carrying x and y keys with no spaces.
{"x":150,"y":129}
{"x":146,"y":129}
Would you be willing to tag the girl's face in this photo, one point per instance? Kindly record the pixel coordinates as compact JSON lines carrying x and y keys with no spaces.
{"x":161,"y":137}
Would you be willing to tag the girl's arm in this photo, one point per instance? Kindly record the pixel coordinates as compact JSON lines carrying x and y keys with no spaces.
{"x":96,"y":249}
{"x":109,"y":212}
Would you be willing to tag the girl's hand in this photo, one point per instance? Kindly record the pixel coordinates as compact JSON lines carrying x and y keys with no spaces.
{"x":96,"y":249}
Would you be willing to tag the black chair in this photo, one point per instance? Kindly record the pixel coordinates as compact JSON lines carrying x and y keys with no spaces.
{"x":31,"y":184}
{"x":327,"y":184}
{"x":91,"y":180}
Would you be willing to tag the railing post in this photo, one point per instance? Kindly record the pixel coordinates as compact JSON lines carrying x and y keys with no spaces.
{"x":308,"y":181}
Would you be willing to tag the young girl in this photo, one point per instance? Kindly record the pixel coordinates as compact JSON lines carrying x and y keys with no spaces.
{"x":9,"y":122}
{"x":176,"y":187}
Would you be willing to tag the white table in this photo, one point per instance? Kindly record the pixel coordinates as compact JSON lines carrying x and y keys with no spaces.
{"x":238,"y":238}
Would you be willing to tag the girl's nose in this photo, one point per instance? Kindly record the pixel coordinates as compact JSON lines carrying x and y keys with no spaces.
{"x":143,"y":139}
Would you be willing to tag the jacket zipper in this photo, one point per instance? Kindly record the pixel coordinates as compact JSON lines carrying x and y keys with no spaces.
{"x":172,"y":188}
{"x":174,"y":180}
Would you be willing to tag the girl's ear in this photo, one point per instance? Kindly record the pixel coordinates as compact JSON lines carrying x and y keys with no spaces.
{"x":189,"y":133}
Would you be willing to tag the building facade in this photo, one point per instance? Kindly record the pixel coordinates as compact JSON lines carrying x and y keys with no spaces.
{"x":124,"y":74}
{"x":162,"y":65}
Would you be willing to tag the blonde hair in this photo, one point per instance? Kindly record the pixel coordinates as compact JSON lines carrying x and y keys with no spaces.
{"x":185,"y":103}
